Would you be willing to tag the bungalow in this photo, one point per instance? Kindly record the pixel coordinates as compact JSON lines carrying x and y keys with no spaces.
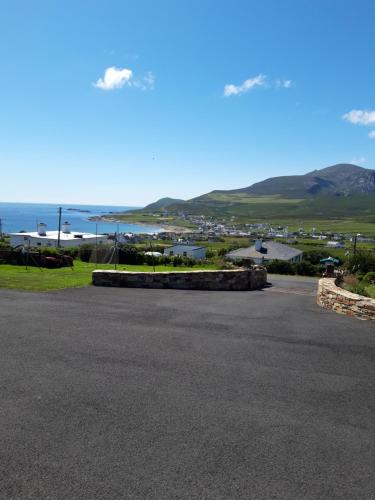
{"x":267,"y":251}
{"x":44,"y":238}
{"x":335,"y":244}
{"x":186,"y":251}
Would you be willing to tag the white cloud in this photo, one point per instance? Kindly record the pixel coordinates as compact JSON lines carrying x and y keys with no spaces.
{"x":114,"y":78}
{"x":149,"y":80}
{"x":258,"y":81}
{"x":146,"y":83}
{"x":285,"y":84}
{"x":371,"y":134}
{"x":250,"y":83}
{"x":360,"y":117}
{"x":358,"y":161}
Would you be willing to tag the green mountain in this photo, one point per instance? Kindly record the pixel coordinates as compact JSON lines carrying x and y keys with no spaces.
{"x":338,"y":191}
{"x":163,"y":203}
{"x":339,"y":180}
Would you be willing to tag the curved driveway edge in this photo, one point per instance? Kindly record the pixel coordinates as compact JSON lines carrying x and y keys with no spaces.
{"x":332,"y":297}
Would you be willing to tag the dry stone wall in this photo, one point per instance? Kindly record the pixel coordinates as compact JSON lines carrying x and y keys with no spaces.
{"x":237,"y":279}
{"x":341,"y":301}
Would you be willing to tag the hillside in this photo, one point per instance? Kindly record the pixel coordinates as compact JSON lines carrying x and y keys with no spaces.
{"x":342,"y":191}
{"x":338,"y":180}
{"x":163,"y":203}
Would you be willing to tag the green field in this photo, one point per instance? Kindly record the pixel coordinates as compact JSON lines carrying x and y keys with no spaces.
{"x":245,"y":198}
{"x":346,"y":214}
{"x":34,"y":279}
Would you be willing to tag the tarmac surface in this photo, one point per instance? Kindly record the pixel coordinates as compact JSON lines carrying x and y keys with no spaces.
{"x":168,"y":394}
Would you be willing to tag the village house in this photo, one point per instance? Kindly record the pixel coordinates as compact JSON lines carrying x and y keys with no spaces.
{"x":267,"y":251}
{"x":335,"y":244}
{"x":191,"y":251}
{"x":44,"y":238}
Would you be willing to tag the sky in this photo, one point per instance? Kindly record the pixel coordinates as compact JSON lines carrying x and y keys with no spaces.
{"x":124,"y":102}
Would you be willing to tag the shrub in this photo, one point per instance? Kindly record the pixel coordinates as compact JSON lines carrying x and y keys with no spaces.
{"x":49,"y":251}
{"x":210,"y":253}
{"x":306,"y":269}
{"x":359,"y":289}
{"x":280,"y":267}
{"x":130,"y":255}
{"x":85,"y":251}
{"x":314,"y":256}
{"x":369,"y":279}
{"x":222,"y":252}
{"x":361,"y":262}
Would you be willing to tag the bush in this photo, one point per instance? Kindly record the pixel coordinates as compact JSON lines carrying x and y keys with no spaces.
{"x":85,"y":252}
{"x":49,"y":251}
{"x":280,"y":267}
{"x":314,"y":256}
{"x":306,"y":269}
{"x":369,"y":279}
{"x":361,"y":262}
{"x":210,"y":253}
{"x":359,"y":289}
{"x":222,"y":252}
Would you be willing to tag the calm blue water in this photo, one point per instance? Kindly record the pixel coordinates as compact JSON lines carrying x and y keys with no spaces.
{"x":25,"y":216}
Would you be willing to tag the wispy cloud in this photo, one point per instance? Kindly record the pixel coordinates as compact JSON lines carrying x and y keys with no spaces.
{"x":284,"y":84}
{"x":116,"y":78}
{"x":360,"y":117}
{"x":371,"y":134}
{"x":146,"y":83}
{"x":250,"y":83}
{"x":358,"y":161}
{"x":257,"y":81}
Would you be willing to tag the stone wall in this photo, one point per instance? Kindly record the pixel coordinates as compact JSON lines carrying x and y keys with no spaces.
{"x":341,"y":301}
{"x":238,"y":279}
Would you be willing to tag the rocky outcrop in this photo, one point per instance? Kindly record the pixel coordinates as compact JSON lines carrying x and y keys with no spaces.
{"x":237,"y":279}
{"x":331,"y":296}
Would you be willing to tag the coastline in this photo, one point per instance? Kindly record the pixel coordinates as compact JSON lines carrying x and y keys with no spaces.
{"x":164,"y":227}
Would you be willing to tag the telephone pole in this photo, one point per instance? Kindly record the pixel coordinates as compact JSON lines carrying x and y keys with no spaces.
{"x":58,"y":236}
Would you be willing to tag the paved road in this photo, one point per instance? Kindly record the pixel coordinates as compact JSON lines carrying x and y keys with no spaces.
{"x":159,"y":394}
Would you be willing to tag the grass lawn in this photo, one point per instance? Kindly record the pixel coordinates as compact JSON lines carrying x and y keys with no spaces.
{"x":40,"y":280}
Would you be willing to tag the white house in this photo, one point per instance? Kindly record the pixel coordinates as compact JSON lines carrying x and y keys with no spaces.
{"x":335,"y":244}
{"x":267,"y":251}
{"x":44,"y":238}
{"x":186,"y":251}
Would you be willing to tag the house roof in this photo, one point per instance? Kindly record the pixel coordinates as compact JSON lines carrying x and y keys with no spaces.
{"x":53,"y":235}
{"x":184,"y":248}
{"x":271,"y":250}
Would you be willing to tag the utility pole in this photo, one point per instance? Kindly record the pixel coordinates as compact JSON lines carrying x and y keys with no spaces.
{"x":58,"y":236}
{"x":96,"y":246}
{"x":116,"y":248}
{"x":1,"y":228}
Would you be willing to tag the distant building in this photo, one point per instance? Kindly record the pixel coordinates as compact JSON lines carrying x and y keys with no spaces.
{"x":186,"y":251}
{"x":267,"y":251}
{"x":44,"y":238}
{"x":335,"y":244}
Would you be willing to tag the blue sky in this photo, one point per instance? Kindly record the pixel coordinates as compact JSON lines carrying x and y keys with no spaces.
{"x":202,"y":95}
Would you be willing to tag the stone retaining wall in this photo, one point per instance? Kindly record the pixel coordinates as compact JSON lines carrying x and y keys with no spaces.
{"x":238,"y":279}
{"x":341,"y":301}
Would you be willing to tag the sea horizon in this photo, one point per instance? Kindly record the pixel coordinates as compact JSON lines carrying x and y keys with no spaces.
{"x":23,"y":216}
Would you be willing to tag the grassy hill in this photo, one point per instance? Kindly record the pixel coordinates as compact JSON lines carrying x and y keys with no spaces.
{"x":342,"y":190}
{"x":343,"y":195}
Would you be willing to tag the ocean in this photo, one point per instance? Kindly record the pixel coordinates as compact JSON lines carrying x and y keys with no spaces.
{"x":17,"y":217}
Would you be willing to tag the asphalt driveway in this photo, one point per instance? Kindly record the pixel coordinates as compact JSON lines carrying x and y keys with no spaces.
{"x":166,"y":394}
